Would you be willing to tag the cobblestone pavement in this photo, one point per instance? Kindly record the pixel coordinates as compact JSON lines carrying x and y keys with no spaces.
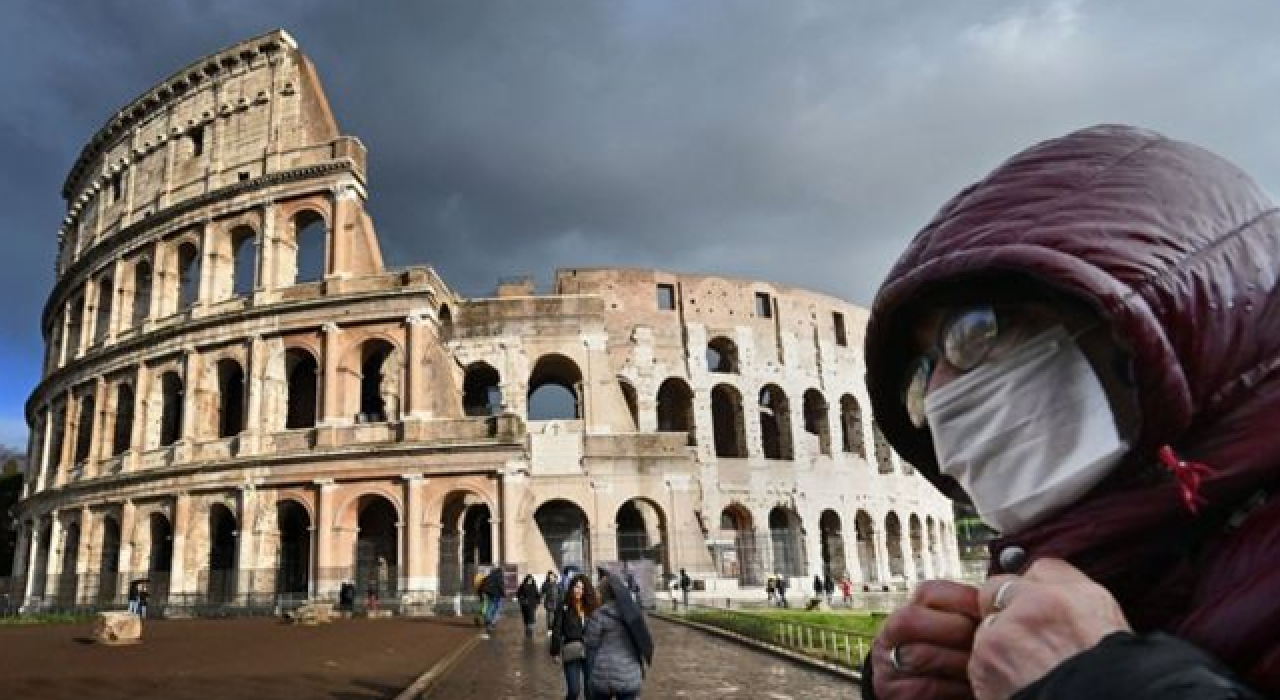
{"x":688,"y":664}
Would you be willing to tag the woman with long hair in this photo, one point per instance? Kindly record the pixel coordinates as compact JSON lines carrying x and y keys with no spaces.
{"x":617,"y":669}
{"x":567,"y":632}
{"x":529,"y":597}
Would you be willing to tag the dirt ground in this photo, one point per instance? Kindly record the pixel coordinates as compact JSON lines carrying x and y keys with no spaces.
{"x":237,"y":659}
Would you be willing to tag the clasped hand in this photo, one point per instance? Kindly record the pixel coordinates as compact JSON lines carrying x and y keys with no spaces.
{"x":953,"y":640}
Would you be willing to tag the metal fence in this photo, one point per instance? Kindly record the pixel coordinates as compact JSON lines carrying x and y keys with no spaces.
{"x":827,"y":643}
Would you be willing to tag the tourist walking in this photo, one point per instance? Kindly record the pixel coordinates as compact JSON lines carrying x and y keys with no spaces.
{"x":685,"y":584}
{"x":818,"y":588}
{"x":829,"y":586}
{"x":568,"y":629}
{"x":782,"y":592}
{"x":529,"y":597}
{"x":618,"y":644}
{"x":550,"y":597}
{"x":495,"y":592}
{"x":846,"y":591}
{"x":1084,"y":346}
{"x":769,"y":590}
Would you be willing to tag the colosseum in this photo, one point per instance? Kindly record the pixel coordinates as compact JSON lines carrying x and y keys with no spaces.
{"x":240,"y":402}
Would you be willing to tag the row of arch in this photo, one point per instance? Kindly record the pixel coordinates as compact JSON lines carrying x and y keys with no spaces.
{"x":173,"y":279}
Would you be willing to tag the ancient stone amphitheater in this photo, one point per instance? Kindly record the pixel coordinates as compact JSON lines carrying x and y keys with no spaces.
{"x":241,"y":403}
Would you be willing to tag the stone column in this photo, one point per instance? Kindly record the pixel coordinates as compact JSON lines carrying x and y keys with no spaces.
{"x":878,"y":539}
{"x":249,"y":440}
{"x":42,"y":465}
{"x":246,"y":540}
{"x":208,"y":265}
{"x":20,"y":555}
{"x":53,"y":562}
{"x":930,"y":543}
{"x":268,"y":275}
{"x":331,"y":413}
{"x":415,"y":393}
{"x":113,"y":321}
{"x":325,"y":582}
{"x":128,"y":520}
{"x":178,"y":567}
{"x":84,"y":552}
{"x":34,"y":562}
{"x":141,"y":406}
{"x":190,"y":390}
{"x":96,"y":437}
{"x":68,"y":441}
{"x":414,"y":564}
{"x":339,"y":238}
{"x":908,"y":556}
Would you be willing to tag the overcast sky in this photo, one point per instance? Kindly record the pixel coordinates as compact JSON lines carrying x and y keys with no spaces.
{"x":798,"y":141}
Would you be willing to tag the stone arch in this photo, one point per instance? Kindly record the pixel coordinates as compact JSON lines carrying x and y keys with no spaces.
{"x":293,"y":547}
{"x":738,"y":554}
{"x":186,"y":280}
{"x":42,"y":559}
{"x":84,"y":428}
{"x":373,"y":380}
{"x":851,"y":440}
{"x":105,"y":302}
{"x":916,"y":532}
{"x":481,"y":390}
{"x":632,"y":400}
{"x":566,"y":531}
{"x":884,"y":455}
{"x":108,"y":564}
{"x":675,"y":408}
{"x":229,"y":418}
{"x":834,"y":563}
{"x":865,"y":531}
{"x":932,"y":530}
{"x":305,"y":249}
{"x":68,"y":578}
{"x":893,"y":545}
{"x":158,"y":550}
{"x":727,"y":421}
{"x":377,"y":544}
{"x":302,"y":395}
{"x":445,"y":317}
{"x":143,"y":276}
{"x":466,"y":540}
{"x":243,"y":257}
{"x":775,"y":423}
{"x":816,"y":422}
{"x":722,"y":355}
{"x":220,"y":561}
{"x":642,"y":533}
{"x":165,"y":410}
{"x":786,"y":534}
{"x":555,"y":389}
{"x":122,"y":432}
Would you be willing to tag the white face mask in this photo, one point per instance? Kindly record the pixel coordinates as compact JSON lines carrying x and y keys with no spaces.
{"x":1026,"y":434}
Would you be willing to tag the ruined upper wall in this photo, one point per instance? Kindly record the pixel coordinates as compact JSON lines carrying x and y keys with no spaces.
{"x":252,"y":112}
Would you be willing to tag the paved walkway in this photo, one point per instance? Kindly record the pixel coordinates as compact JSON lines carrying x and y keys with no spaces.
{"x":688,"y":664}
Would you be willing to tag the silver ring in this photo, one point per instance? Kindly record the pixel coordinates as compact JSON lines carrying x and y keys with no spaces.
{"x":895,"y":661}
{"x":999,"y":603}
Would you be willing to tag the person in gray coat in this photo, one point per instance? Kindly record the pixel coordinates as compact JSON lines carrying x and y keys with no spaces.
{"x":617,"y":671}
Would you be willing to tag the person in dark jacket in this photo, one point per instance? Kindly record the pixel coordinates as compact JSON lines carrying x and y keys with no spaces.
{"x":617,"y":668}
{"x":685,"y":584}
{"x":529,"y":598}
{"x":829,"y":587}
{"x":495,"y":593}
{"x":1085,"y":346}
{"x":818,"y":588}
{"x":550,"y":597}
{"x":568,"y":631}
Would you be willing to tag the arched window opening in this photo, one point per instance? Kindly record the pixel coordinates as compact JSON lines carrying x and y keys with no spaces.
{"x":787,"y":537}
{"x":566,"y":533}
{"x":737,"y":553}
{"x":916,"y":531}
{"x":833,"y":558}
{"x":108,"y":561}
{"x":815,"y":419}
{"x":379,"y":383}
{"x":722,"y":355}
{"x":84,"y":429}
{"x":477,"y":537}
{"x":68,"y":577}
{"x":727,"y":421}
{"x":466,"y":541}
{"x":642,"y":533}
{"x":446,"y":322}
{"x":123,"y":434}
{"x":75,"y":324}
{"x":171,"y":408}
{"x":633,"y":402}
{"x":311,"y":237}
{"x":893,"y":545}
{"x":106,"y":299}
{"x":481,"y":391}
{"x":851,"y":427}
{"x":244,"y":255}
{"x":775,"y":423}
{"x":884,"y":456}
{"x":377,"y":547}
{"x":301,"y":376}
{"x":294,"y":562}
{"x":188,"y":275}
{"x":220,"y":582}
{"x":57,"y":441}
{"x":230,"y":398}
{"x":141,"y":293}
{"x":864,"y":530}
{"x":553,"y":389}
{"x":675,"y":408}
{"x":160,"y":554}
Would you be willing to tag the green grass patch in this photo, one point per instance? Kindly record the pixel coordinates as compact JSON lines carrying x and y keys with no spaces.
{"x":46,"y":619}
{"x":841,"y":638}
{"x":865,"y":624}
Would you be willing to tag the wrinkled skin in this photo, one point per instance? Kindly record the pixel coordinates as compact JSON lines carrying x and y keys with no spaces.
{"x":935,"y":632}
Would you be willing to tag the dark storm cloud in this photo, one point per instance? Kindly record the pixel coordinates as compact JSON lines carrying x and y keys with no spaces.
{"x":802,"y":142}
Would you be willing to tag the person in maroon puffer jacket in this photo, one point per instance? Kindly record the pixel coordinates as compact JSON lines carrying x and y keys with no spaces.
{"x":1085,"y":345}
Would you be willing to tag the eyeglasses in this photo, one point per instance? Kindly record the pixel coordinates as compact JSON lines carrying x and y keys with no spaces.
{"x":964,"y":341}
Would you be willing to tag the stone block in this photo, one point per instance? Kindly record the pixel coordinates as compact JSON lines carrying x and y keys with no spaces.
{"x":311,"y":614}
{"x":117,"y":628}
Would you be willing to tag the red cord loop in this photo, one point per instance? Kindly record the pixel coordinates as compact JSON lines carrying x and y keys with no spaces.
{"x":1189,"y":476}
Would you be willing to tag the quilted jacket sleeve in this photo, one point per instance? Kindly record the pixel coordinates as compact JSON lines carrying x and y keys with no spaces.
{"x":1125,"y":666}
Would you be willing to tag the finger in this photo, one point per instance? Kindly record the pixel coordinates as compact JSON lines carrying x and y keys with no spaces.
{"x":1005,"y":586}
{"x":1055,"y":571}
{"x":948,"y":596}
{"x":933,"y":661}
{"x":915,"y":624}
{"x":932,"y":688}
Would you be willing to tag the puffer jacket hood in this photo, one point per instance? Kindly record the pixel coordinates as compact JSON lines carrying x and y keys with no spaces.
{"x":1178,"y":251}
